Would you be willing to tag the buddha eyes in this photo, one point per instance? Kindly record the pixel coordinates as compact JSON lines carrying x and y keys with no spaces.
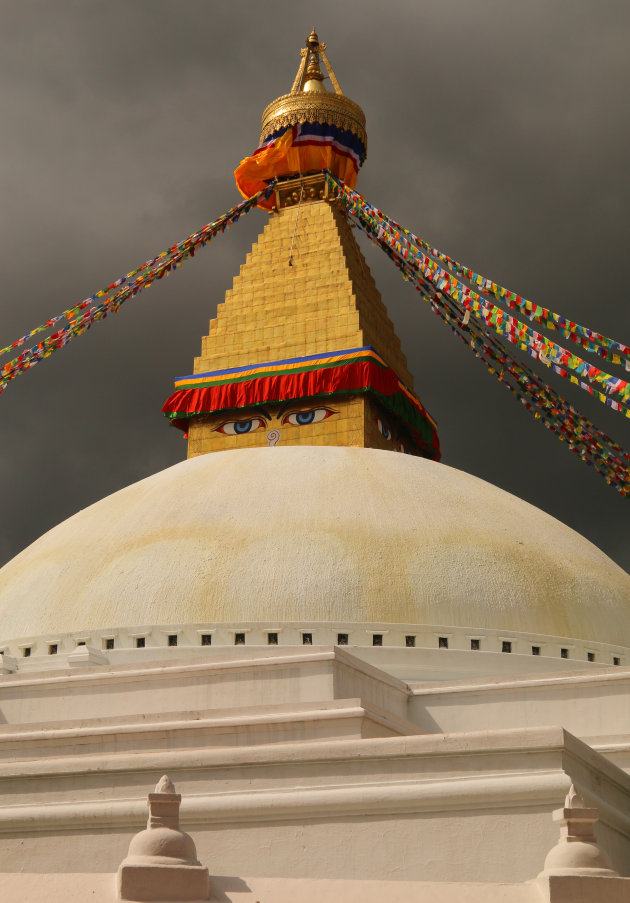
{"x":384,"y":429}
{"x":238,"y":427}
{"x":386,"y":432}
{"x":295,"y":418}
{"x":303,"y":418}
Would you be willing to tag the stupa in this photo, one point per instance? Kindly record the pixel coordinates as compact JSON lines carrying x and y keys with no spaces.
{"x":367,"y":673}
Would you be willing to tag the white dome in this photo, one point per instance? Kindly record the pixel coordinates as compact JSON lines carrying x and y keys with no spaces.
{"x":314,"y":534}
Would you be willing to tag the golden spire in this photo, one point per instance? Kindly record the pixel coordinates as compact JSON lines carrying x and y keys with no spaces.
{"x":302,"y":351}
{"x":309,"y":67}
{"x":310,"y":101}
{"x":314,"y":77}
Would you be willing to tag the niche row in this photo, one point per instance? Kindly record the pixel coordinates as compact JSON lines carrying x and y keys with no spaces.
{"x":475,"y":644}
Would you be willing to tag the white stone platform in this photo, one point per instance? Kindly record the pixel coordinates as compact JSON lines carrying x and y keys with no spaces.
{"x":280,"y":769}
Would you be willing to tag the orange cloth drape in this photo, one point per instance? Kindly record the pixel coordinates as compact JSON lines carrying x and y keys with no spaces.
{"x":282,"y":158}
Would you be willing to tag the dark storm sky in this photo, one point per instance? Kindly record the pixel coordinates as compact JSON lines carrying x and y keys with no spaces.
{"x":497,"y":130}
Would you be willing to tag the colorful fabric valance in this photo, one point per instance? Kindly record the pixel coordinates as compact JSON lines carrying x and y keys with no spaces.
{"x":314,"y":376}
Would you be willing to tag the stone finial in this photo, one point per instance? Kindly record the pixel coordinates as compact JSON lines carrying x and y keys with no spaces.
{"x":164,"y":785}
{"x":164,"y":805}
{"x":577,"y":851}
{"x":162,"y":861}
{"x":573,"y":800}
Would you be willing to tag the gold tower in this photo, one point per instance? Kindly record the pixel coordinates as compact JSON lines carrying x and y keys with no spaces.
{"x":305,"y":293}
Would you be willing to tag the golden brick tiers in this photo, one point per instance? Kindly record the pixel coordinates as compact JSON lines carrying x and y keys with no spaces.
{"x":324,"y":301}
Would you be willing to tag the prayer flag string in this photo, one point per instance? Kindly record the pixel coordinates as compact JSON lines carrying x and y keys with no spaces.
{"x":516,"y":332}
{"x":591,"y":341}
{"x":593,"y":446}
{"x":82,"y":316}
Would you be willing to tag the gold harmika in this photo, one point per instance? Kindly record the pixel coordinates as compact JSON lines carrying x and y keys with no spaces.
{"x":315,"y":104}
{"x":305,"y":188}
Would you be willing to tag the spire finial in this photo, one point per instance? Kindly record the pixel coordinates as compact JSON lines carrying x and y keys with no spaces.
{"x":309,"y":76}
{"x":573,"y":799}
{"x":164,"y":785}
{"x":312,"y":77}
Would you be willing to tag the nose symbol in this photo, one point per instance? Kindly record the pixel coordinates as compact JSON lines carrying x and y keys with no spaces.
{"x":273,"y":437}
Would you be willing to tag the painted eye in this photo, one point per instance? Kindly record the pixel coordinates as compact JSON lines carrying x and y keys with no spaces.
{"x":303,"y":418}
{"x":238,"y":427}
{"x":384,"y":429}
{"x":403,"y":448}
